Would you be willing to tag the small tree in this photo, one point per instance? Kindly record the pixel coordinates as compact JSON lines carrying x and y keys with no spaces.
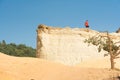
{"x":107,"y":44}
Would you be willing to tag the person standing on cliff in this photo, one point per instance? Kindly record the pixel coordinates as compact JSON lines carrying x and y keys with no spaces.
{"x":86,"y":24}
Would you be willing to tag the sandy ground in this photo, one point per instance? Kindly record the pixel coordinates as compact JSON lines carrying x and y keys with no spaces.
{"x":23,"y":68}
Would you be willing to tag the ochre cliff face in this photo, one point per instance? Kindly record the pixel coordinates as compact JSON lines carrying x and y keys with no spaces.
{"x":65,"y":45}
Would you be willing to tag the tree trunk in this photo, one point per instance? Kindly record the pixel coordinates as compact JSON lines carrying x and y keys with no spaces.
{"x":110,"y":52}
{"x":112,"y":62}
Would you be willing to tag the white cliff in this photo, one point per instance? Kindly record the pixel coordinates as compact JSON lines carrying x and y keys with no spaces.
{"x":66,"y":45}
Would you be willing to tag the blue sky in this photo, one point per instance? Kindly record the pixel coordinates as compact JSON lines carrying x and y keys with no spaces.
{"x":19,"y":18}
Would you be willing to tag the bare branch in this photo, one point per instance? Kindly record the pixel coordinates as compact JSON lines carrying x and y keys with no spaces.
{"x":117,"y":54}
{"x":117,"y":42}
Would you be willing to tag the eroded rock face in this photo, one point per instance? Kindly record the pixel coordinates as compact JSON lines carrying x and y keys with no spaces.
{"x":66,"y":45}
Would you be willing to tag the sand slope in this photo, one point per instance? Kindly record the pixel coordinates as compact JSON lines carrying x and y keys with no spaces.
{"x":23,"y":68}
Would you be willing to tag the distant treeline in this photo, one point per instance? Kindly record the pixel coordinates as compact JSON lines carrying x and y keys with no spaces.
{"x":20,"y":50}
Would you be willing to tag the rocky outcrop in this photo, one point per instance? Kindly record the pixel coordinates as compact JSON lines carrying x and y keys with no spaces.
{"x":66,"y":45}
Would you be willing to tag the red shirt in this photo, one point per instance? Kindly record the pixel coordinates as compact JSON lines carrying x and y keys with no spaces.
{"x":86,"y":23}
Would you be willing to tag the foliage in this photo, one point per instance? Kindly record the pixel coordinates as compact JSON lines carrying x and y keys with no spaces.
{"x":102,"y":43}
{"x":20,"y":50}
{"x":106,"y":43}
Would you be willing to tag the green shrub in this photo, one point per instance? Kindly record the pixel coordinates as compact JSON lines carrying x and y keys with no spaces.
{"x":20,"y":50}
